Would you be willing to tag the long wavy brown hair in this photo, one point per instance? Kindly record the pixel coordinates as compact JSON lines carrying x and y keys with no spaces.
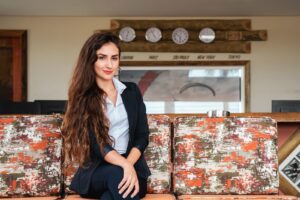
{"x":86,"y":104}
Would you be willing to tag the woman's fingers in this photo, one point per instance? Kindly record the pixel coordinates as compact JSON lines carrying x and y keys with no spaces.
{"x":125,"y":185}
{"x":129,"y":186}
{"x":122,"y":183}
{"x":129,"y":181}
{"x":124,"y":180}
{"x":136,"y":189}
{"x":129,"y":189}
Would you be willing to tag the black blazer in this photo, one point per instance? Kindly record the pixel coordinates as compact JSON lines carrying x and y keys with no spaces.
{"x":138,"y":137}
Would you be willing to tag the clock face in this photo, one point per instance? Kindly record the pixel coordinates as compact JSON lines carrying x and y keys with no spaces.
{"x":180,"y":36}
{"x":207,"y":35}
{"x":127,"y":34}
{"x":153,"y":34}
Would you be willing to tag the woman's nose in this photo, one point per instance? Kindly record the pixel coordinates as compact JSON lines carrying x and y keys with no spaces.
{"x":109,"y":63}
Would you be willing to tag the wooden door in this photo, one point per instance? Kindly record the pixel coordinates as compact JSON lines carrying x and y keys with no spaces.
{"x":13,"y":65}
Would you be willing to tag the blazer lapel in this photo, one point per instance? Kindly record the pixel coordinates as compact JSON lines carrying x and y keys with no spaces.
{"x":127,"y":96}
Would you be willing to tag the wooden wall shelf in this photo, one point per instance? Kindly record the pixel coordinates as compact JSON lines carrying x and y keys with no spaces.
{"x":231,"y":36}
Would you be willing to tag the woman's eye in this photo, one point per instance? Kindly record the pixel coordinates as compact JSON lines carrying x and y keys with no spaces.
{"x":115,"y":58}
{"x":100,"y":58}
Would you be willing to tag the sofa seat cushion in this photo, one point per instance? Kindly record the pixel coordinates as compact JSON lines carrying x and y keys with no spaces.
{"x":147,"y":197}
{"x":30,"y":155}
{"x":159,"y":197}
{"x":236,"y":197}
{"x":32,"y":198}
{"x":225,"y":156}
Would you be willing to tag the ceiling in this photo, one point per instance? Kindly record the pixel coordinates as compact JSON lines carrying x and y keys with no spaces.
{"x":150,"y":8}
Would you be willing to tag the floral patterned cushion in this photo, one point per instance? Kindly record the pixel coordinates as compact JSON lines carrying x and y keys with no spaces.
{"x":158,"y":154}
{"x":225,"y":156}
{"x":30,"y":155}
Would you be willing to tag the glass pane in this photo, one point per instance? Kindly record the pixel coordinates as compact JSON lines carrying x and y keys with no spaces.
{"x":188,"y":89}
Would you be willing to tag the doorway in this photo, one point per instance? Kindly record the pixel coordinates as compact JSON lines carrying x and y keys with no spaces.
{"x":13,"y":65}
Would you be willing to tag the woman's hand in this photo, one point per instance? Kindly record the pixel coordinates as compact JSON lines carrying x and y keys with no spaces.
{"x":129,"y":181}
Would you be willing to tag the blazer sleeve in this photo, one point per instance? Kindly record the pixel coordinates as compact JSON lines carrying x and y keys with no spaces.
{"x":141,"y":138}
{"x":96,"y":149}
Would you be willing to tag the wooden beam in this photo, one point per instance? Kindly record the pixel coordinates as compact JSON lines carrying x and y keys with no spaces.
{"x":240,"y":24}
{"x":258,"y":35}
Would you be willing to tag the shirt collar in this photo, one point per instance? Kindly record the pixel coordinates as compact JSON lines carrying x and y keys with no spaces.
{"x":120,"y":87}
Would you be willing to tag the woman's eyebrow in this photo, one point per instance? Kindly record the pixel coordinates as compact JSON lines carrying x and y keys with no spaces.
{"x":101,"y":54}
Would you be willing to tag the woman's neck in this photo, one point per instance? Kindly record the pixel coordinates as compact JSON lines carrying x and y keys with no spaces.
{"x":106,"y":85}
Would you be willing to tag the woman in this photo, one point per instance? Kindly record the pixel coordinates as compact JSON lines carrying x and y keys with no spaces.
{"x":105,"y":126}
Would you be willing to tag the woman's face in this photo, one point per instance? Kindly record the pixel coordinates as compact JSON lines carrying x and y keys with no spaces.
{"x":107,"y":62}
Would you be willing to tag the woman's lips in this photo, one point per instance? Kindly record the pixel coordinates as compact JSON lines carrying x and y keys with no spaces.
{"x":107,"y":72}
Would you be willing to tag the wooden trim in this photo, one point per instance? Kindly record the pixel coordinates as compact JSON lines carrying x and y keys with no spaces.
{"x":12,"y":33}
{"x":291,"y":143}
{"x":286,"y":187}
{"x":245,"y":63}
{"x":236,"y":24}
{"x":281,"y":117}
{"x":190,"y":46}
{"x":286,"y":149}
{"x":293,"y":117}
{"x":236,"y":197}
{"x":247,"y":86}
{"x":182,"y":63}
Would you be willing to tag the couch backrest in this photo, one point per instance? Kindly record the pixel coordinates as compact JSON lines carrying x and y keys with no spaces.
{"x":225,"y":156}
{"x":30,"y":155}
{"x":158,"y":154}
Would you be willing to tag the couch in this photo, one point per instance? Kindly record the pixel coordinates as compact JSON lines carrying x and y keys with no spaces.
{"x":190,"y":157}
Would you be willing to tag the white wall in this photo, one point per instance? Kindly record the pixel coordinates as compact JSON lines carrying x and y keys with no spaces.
{"x":275,"y":64}
{"x":54,"y":44}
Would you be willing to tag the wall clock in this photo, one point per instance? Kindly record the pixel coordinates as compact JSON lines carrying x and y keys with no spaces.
{"x":127,"y":34}
{"x":207,"y":35}
{"x":180,"y":36}
{"x":153,"y":34}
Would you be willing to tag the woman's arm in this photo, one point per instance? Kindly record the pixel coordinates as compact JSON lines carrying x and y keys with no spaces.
{"x":134,"y":155}
{"x":130,"y":180}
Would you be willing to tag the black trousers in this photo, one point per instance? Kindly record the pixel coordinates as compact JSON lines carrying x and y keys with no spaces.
{"x":105,"y":181}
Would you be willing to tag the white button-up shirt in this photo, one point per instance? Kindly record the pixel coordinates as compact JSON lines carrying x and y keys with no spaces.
{"x":118,"y":120}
